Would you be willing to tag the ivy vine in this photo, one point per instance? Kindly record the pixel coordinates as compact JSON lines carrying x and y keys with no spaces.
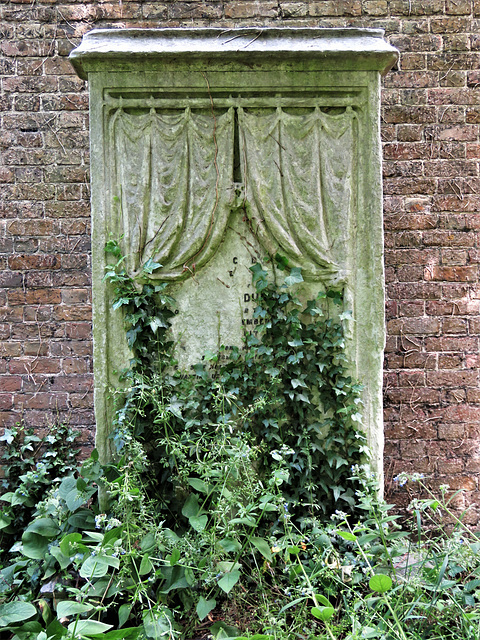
{"x":286,"y":395}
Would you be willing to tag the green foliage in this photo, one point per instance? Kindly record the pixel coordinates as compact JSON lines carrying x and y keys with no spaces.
{"x":287,"y":393}
{"x":31,"y":464}
{"x":225,"y":500}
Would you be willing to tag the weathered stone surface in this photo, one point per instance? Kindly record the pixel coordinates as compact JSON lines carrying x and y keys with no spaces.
{"x":213,"y":150}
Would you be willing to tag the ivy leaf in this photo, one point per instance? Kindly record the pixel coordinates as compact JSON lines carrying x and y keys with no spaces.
{"x":112,"y":247}
{"x":119,"y":302}
{"x":302,"y":397}
{"x":295,"y":277}
{"x":296,"y":382}
{"x":259,"y":277}
{"x":157,"y":322}
{"x":150,"y":266}
{"x":297,"y":342}
{"x":282,"y":262}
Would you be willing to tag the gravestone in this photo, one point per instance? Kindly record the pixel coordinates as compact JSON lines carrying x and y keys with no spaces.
{"x":213,"y":149}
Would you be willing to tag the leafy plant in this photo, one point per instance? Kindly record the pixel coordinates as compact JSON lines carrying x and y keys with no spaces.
{"x":31,"y":464}
{"x":240,"y":506}
{"x":288,"y":388}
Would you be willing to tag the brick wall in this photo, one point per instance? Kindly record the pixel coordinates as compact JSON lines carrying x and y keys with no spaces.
{"x":431,"y":111}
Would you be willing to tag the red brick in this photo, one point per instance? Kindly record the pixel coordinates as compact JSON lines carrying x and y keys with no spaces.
{"x":451,"y":273}
{"x":27,"y":262}
{"x":450,"y":343}
{"x":452,"y":378}
{"x":450,"y":361}
{"x":458,"y":7}
{"x":75,"y":366}
{"x":34,"y":365}
{"x":455,"y":325}
{"x":423,"y":326}
{"x":335,"y":8}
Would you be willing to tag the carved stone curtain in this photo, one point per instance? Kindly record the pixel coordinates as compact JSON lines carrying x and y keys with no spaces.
{"x":173,"y":185}
{"x":173,"y":181}
{"x":298,"y":172}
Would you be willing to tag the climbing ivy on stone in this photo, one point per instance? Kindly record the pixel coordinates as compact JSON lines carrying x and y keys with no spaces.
{"x":287,"y":394}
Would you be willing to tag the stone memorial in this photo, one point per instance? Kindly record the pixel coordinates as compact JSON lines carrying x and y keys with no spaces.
{"x":213,"y":149}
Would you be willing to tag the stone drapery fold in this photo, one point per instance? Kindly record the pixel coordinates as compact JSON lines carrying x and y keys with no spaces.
{"x":173,"y":184}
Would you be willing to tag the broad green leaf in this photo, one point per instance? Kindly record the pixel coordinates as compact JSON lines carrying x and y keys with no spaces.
{"x":16,"y":611}
{"x":346,"y":535}
{"x":174,"y":557}
{"x":130,"y":633}
{"x":68,"y":544}
{"x":157,"y":624}
{"x":96,"y":536}
{"x":204,"y":607}
{"x":60,"y":557}
{"x":325,"y":601}
{"x":225,"y":566}
{"x":323,"y":613}
{"x":34,"y":545}
{"x":31,"y":630}
{"x":88,"y":627}
{"x":124,"y":614}
{"x":5,"y":520}
{"x":199,"y":523}
{"x":83,"y":519}
{"x":191,"y":506}
{"x":148,"y":542}
{"x":198,"y":485}
{"x":174,"y":578}
{"x":145,"y":566}
{"x":67,"y":608}
{"x":220,"y":630}
{"x":380,"y":583}
{"x":120,"y":634}
{"x":230,"y":546}
{"x":98,"y":566}
{"x":45,"y":527}
{"x":250,"y":522}
{"x":229,"y":580}
{"x":263,"y":546}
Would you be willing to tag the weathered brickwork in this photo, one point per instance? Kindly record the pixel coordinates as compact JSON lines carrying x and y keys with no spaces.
{"x":431,"y":113}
